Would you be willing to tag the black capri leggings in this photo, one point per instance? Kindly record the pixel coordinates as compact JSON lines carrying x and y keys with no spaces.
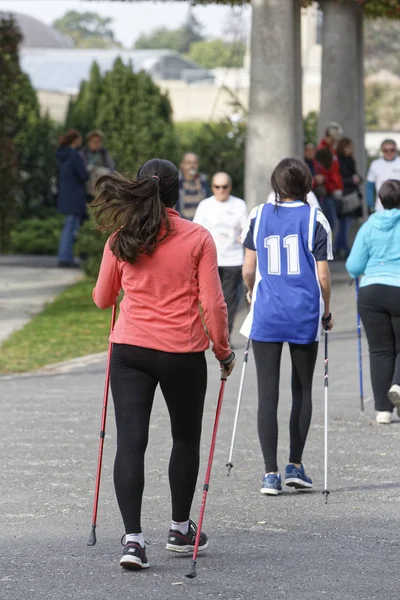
{"x":268,"y":363}
{"x":135,"y":374}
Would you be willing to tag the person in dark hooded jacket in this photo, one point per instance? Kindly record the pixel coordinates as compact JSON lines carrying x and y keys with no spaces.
{"x":71,"y":202}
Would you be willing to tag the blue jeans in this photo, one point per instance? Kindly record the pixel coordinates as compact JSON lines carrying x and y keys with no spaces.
{"x":342,"y":237}
{"x":72,"y":224}
{"x":328,"y":206}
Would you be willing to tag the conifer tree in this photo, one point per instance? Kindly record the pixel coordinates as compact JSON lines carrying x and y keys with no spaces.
{"x":82,"y":112}
{"x":10,"y":38}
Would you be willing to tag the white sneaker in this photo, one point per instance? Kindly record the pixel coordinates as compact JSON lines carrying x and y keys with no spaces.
{"x":394,"y":396}
{"x":384,"y":417}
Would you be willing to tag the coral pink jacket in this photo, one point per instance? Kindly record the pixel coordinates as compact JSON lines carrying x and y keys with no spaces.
{"x":162,"y":293}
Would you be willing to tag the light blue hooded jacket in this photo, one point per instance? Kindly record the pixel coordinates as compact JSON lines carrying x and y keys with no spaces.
{"x":376,"y":250}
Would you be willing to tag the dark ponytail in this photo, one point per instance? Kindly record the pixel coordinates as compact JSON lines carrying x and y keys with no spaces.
{"x":291,"y":179}
{"x":68,"y":138}
{"x":134,"y":210}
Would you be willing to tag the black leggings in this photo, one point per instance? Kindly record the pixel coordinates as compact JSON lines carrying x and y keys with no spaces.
{"x":268,"y":363}
{"x":135,"y":374}
{"x":231,"y":278}
{"x":379,"y":307}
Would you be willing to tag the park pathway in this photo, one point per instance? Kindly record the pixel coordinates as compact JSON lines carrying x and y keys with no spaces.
{"x":293,"y":547}
{"x":27,"y":283}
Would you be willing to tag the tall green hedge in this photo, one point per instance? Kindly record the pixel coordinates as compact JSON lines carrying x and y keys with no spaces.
{"x":130,"y":109}
{"x":27,"y":147}
{"x":9,"y":176}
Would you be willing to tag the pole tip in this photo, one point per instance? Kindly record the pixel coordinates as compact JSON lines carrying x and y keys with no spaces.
{"x":192,"y":573}
{"x":229,"y":465}
{"x":92,"y":539}
{"x":326,"y":494}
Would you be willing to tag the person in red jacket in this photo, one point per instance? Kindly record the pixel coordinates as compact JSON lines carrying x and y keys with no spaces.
{"x":331,"y":178}
{"x":168,"y":269}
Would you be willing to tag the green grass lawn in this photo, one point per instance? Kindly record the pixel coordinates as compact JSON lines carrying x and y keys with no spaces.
{"x":70,"y":326}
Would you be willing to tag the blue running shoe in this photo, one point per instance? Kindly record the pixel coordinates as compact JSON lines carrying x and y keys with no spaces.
{"x":272,"y":485}
{"x":297,"y":478}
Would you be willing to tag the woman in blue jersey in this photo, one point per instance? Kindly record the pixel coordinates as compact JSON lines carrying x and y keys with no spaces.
{"x":287,"y":248}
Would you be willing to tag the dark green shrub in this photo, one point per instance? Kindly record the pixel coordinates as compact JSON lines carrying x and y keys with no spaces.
{"x":37,"y":236}
{"x":90,"y":243}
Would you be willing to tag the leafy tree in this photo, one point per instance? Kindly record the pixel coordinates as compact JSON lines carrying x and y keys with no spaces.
{"x":217,"y":53}
{"x":382,"y":106}
{"x":179,"y":39}
{"x":10,"y":72}
{"x":382,"y":45}
{"x":373,"y":8}
{"x":311,"y":127}
{"x":87,"y":29}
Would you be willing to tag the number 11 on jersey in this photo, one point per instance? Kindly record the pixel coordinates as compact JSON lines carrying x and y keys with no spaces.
{"x":291,"y":244}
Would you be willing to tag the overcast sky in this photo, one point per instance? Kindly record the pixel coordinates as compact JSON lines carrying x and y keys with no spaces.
{"x":130,"y":19}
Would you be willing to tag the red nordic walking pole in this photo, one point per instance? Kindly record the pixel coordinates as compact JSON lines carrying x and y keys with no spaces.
{"x":192,"y":574}
{"x":92,"y":539}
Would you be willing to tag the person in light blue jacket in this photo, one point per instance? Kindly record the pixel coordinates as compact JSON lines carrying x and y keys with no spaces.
{"x":376,"y":256}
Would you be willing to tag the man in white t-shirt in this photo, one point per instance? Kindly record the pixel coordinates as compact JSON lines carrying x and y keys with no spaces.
{"x":225,"y":216}
{"x":380,"y":171}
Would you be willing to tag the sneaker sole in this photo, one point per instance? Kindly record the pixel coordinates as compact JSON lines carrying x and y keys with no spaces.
{"x":185,"y":549}
{"x":133,"y":563}
{"x":270,"y":492}
{"x":299,"y":484}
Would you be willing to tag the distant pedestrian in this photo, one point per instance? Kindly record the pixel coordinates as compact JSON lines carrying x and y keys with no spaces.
{"x":349,"y":206}
{"x":225,"y":216}
{"x":285,"y":268}
{"x":98,"y":159}
{"x":193,"y":186}
{"x":71,"y":201}
{"x":167,"y":268}
{"x":309,"y":156}
{"x":331,"y":179}
{"x":376,"y":256}
{"x":380,"y":170}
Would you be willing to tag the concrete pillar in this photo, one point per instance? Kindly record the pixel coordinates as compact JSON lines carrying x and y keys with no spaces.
{"x":298,"y":81}
{"x":274,"y":124}
{"x":342,"y":85}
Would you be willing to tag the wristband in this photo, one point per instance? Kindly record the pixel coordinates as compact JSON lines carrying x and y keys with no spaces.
{"x":228,"y":360}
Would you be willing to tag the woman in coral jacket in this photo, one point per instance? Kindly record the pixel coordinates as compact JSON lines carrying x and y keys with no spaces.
{"x":167,"y":267}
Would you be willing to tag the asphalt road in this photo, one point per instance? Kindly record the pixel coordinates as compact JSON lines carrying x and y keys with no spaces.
{"x":293,"y":547}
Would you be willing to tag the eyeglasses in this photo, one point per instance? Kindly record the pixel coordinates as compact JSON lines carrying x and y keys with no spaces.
{"x":221,"y":187}
{"x":388,"y":150}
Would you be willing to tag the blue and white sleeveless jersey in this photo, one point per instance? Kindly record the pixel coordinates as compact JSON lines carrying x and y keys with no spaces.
{"x":287,"y":304}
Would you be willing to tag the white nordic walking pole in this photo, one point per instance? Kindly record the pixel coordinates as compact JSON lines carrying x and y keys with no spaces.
{"x":326,"y":387}
{"x":246,"y":355}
